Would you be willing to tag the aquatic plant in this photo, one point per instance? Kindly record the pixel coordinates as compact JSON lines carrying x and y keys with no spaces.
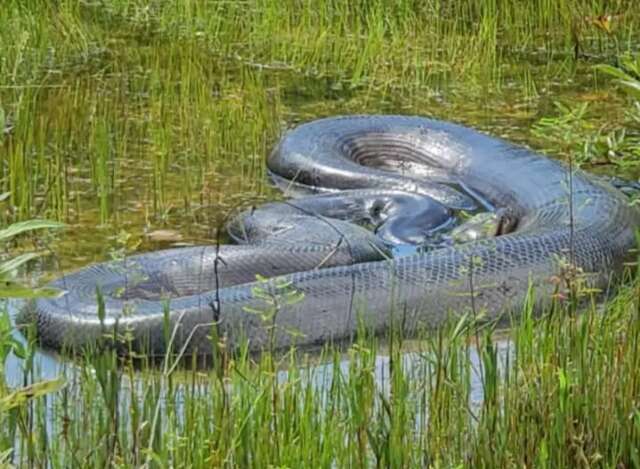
{"x":125,"y":116}
{"x":151,"y":112}
{"x":556,"y":391}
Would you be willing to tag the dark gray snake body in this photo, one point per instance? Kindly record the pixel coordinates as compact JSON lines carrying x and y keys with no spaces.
{"x":342,"y":270}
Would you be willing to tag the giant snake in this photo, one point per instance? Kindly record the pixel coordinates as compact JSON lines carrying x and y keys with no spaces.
{"x":325,"y":275}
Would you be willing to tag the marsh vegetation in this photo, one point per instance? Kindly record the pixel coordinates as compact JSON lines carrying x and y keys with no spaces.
{"x":143,"y":124}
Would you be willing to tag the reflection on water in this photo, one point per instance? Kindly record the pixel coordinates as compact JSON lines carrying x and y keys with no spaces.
{"x":413,"y":366}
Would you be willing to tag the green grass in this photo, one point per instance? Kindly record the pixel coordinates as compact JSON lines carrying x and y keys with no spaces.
{"x":559,"y":391}
{"x":122,"y":117}
{"x":151,"y":113}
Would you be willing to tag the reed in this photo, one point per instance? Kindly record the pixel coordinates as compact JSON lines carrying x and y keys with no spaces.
{"x":120,"y":111}
{"x":132,"y":115}
{"x":555,"y":391}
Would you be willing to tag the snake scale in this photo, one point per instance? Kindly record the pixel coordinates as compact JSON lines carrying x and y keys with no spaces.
{"x":403,"y":175}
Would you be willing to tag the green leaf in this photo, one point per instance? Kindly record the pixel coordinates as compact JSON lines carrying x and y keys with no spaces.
{"x":251,"y":310}
{"x":562,"y":380}
{"x":18,"y":348}
{"x":624,"y":78}
{"x":23,"y":395}
{"x":30,"y":225}
{"x":12,"y":264}
{"x":632,"y":87}
{"x":293,"y":297}
{"x":102,"y":311}
{"x":3,"y":121}
{"x":461,"y":326}
{"x":5,"y":323}
{"x":613,"y":71}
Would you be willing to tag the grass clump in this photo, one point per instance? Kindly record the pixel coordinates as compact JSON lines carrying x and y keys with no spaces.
{"x":558,"y":391}
{"x":150,"y":113}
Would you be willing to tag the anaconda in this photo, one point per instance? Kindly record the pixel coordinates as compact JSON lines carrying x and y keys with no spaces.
{"x":376,"y":169}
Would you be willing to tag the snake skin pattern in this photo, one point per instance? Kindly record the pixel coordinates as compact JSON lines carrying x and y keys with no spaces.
{"x":559,"y":217}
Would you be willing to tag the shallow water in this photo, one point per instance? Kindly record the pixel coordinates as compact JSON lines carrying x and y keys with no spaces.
{"x":225,"y":186}
{"x":48,"y":364}
{"x":184,"y":148}
{"x":86,"y":241}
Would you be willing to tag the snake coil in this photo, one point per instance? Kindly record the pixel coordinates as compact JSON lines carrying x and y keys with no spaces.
{"x":342,"y":270}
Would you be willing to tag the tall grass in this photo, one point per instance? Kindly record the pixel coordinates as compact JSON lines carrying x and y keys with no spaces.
{"x":148,"y":107}
{"x":134,"y":114}
{"x":559,"y":391}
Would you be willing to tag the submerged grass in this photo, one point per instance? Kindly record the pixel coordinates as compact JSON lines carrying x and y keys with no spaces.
{"x":558,"y":391}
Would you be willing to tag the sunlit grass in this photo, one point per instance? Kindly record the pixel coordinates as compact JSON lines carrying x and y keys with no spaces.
{"x":132,"y":115}
{"x":560,"y":391}
{"x":172,"y":97}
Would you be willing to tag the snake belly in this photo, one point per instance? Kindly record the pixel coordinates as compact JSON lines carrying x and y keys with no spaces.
{"x":562,"y":217}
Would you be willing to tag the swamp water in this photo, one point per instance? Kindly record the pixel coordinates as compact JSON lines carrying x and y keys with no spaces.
{"x":147,"y":136}
{"x":142,"y":214}
{"x":135,"y":216}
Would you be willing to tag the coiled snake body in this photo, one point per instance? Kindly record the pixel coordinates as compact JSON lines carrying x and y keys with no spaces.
{"x":398,"y":174}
